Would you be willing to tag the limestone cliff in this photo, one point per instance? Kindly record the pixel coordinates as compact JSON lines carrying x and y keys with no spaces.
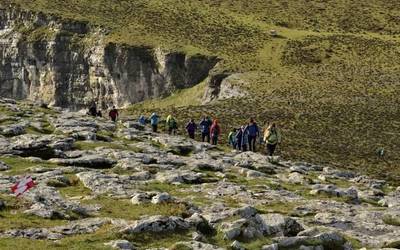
{"x":68,"y":64}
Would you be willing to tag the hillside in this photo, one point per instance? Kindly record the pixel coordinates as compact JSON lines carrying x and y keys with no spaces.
{"x":330,"y":79}
{"x":106,"y":185}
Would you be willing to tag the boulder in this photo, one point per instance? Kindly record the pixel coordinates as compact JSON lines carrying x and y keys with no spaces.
{"x":280,"y":224}
{"x":178,"y":176}
{"x":161,"y":198}
{"x":4,"y":166}
{"x":120,"y":244}
{"x":13,"y":130}
{"x":157,"y":224}
{"x":330,"y":240}
{"x":237,"y":246}
{"x":271,"y":247}
{"x":141,"y":198}
{"x":194,"y":245}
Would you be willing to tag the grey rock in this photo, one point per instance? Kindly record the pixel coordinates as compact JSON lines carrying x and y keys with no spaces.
{"x":4,"y":166}
{"x":141,"y":198}
{"x":157,"y":224}
{"x":330,"y":239}
{"x":237,"y":246}
{"x":179,"y":177}
{"x":73,"y":228}
{"x":195,"y":245}
{"x":270,"y":247}
{"x":120,"y":244}
{"x":12,"y":130}
{"x":277,"y":223}
{"x":89,"y":161}
{"x":297,"y":178}
{"x":161,"y":198}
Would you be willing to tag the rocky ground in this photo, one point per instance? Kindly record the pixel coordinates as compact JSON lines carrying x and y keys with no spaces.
{"x":102,"y":185}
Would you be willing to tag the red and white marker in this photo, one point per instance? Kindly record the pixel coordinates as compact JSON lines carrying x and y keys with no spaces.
{"x":23,"y":185}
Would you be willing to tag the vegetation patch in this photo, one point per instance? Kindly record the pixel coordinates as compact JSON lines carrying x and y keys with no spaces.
{"x":391,"y":220}
{"x":21,"y":165}
{"x":12,"y":217}
{"x":124,"y":209}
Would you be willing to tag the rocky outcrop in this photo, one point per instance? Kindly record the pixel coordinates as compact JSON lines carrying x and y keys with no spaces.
{"x":67,"y":64}
{"x":222,"y":86}
{"x":149,"y":188}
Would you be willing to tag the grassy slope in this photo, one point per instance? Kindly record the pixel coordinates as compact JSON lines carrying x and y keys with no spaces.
{"x":331,"y":80}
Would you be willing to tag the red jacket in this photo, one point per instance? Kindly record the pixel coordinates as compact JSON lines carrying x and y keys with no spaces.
{"x":113,"y":113}
{"x":215,"y":129}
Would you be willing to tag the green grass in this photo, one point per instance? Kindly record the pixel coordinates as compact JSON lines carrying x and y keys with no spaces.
{"x":75,"y":189}
{"x":180,"y":98}
{"x":121,"y":144}
{"x":20,"y":165}
{"x":124,"y":209}
{"x":93,"y":241}
{"x":391,"y":220}
{"x":12,"y":217}
{"x":159,"y":240}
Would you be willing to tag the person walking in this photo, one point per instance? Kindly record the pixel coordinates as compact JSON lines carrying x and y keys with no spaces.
{"x":205,"y":125}
{"x":272,"y":138}
{"x":142,"y":120}
{"x":254,"y":132}
{"x":113,"y":114}
{"x":232,"y":138}
{"x":245,"y":138}
{"x":215,"y":131}
{"x":154,"y":122}
{"x":239,"y":138}
{"x":172,"y":125}
{"x":93,"y":110}
{"x":191,"y":128}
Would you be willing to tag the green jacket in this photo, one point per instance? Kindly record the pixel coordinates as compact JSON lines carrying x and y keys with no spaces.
{"x":272,"y":137}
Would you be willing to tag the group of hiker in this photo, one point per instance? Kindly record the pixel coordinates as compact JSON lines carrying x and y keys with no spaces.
{"x":243,"y":139}
{"x":113,"y":114}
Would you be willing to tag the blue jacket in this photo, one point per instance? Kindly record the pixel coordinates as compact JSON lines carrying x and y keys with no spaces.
{"x":142,"y":120}
{"x":205,"y":126}
{"x":154,"y":119}
{"x":253,"y":129}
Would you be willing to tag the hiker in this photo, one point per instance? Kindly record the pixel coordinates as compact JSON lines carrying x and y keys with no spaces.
{"x":239,"y":138}
{"x":245,"y":138}
{"x":172,"y":125}
{"x":272,"y":137}
{"x":154,"y":122}
{"x":254,"y":132}
{"x":142,"y":120}
{"x":215,"y":131}
{"x":232,"y":138}
{"x":205,"y":125}
{"x":93,"y":110}
{"x":113,"y":114}
{"x":191,"y":128}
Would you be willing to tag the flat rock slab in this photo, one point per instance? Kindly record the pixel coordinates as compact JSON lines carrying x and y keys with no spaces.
{"x":88,"y":161}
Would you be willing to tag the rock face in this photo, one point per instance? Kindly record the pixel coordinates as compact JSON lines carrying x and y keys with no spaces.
{"x":47,"y":59}
{"x":223,"y":86}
